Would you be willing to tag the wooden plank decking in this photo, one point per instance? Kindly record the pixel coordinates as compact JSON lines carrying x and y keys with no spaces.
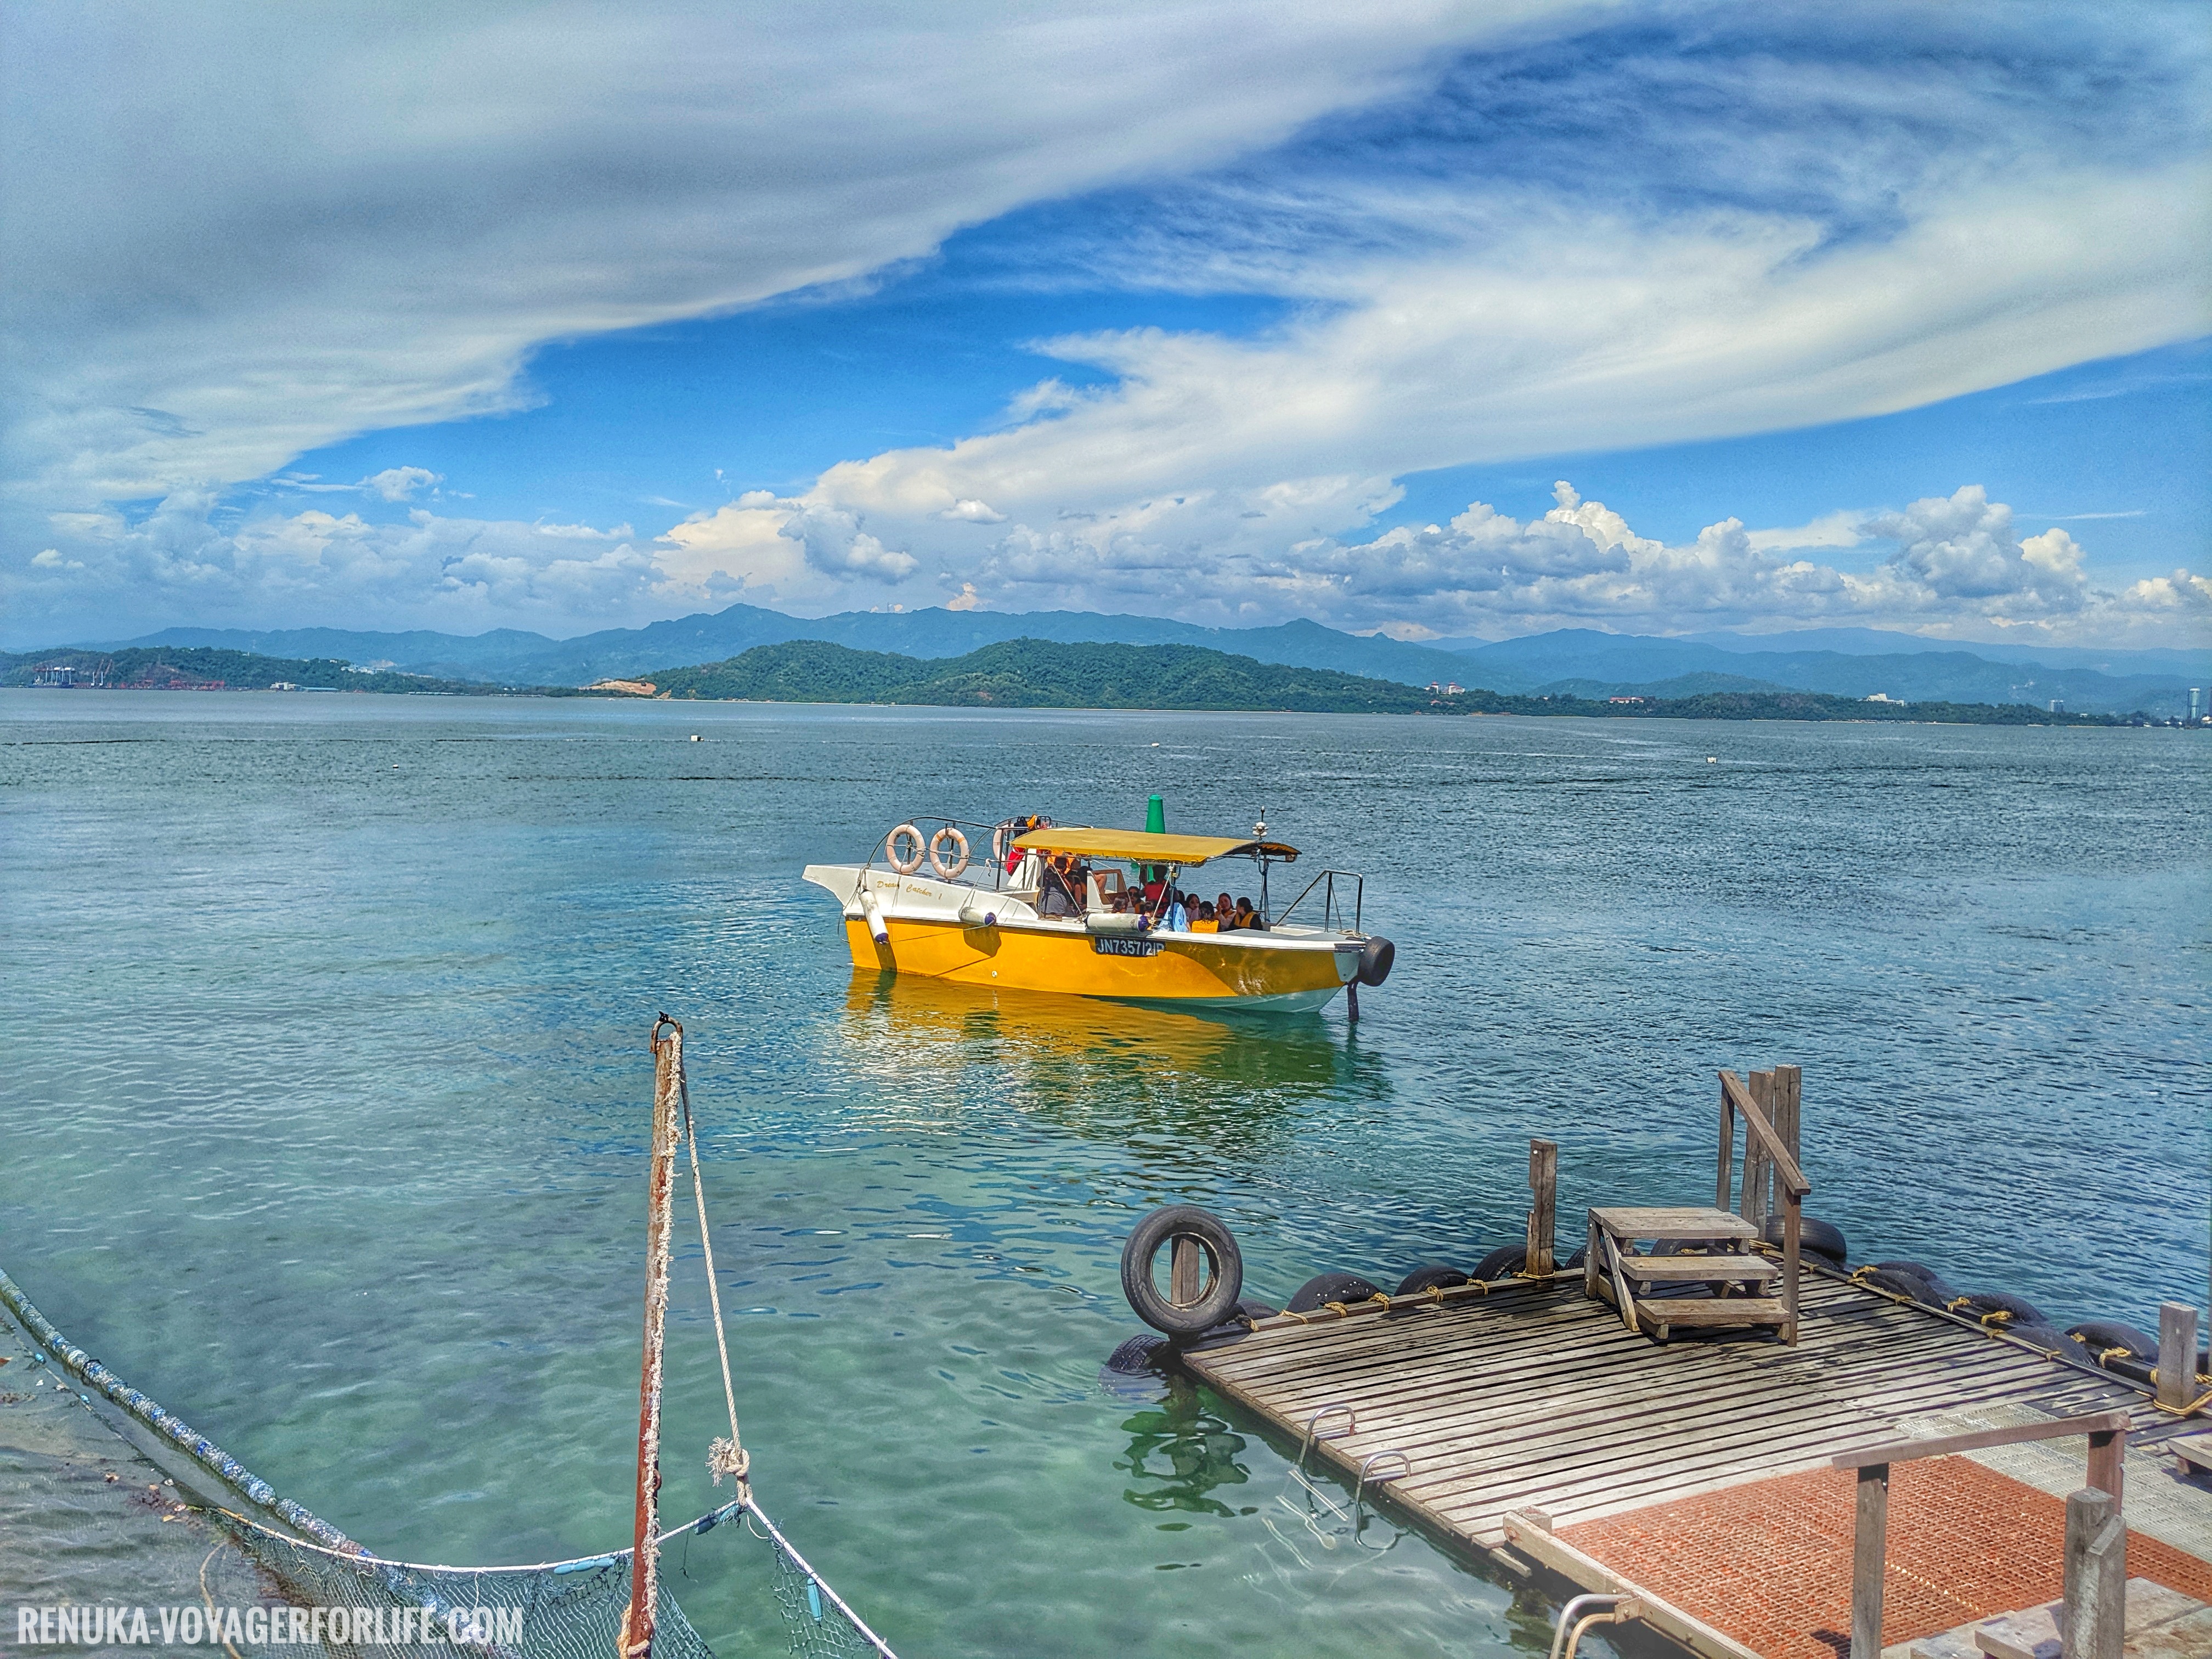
{"x":1533,"y":1397}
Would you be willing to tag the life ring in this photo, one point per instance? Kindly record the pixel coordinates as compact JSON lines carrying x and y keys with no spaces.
{"x":905,"y":863}
{"x":937,"y":857}
{"x":999,"y":846}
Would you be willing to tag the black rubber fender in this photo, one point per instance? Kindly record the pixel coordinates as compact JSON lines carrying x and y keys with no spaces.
{"x":1898,"y":1283}
{"x":1325,"y":1288}
{"x":1502,"y":1262}
{"x":2100,"y":1336}
{"x":2050,"y":1340}
{"x":1821,"y":1238}
{"x":1997,"y":1307}
{"x":1930,"y":1288}
{"x":1133,"y":1373}
{"x":1150,"y":1304}
{"x":1581,"y":1254}
{"x":1435,"y":1276}
{"x":1376,"y":958}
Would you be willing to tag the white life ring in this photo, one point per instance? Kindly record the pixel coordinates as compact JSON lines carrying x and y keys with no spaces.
{"x":905,"y":863}
{"x":999,"y":844}
{"x":937,"y":861}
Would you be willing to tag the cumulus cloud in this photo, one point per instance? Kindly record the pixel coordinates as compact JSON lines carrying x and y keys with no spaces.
{"x":399,"y":483}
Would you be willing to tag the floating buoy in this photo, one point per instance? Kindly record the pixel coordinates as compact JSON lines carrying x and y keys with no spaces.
{"x":1712,"y":760}
{"x":695,"y":737}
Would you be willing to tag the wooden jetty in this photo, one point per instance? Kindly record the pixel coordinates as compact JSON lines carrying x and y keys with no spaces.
{"x":1506,"y":1418}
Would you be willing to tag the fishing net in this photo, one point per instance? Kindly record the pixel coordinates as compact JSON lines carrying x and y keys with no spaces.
{"x":357,"y":1605}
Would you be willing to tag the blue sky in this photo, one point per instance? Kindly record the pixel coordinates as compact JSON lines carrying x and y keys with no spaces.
{"x":1448,"y":321}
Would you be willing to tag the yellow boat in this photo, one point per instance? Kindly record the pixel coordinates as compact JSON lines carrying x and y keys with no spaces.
{"x":1058,"y":912}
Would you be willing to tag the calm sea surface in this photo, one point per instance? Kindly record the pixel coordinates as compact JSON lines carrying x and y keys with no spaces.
{"x":326,"y":1088}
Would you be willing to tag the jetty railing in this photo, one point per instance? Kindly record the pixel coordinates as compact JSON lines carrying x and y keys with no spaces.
{"x":2099,"y":1546}
{"x":1770,"y":1166}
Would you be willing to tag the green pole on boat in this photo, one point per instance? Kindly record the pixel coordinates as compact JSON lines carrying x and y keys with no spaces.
{"x":1156,"y":824}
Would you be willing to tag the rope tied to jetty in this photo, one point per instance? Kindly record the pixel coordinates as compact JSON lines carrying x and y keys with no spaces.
{"x":724,"y":1457}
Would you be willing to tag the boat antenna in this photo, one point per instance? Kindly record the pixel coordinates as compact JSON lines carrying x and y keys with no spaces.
{"x":1261,"y":828}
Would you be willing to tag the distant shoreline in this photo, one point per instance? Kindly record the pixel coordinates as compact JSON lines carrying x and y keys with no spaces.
{"x":1022,"y":673}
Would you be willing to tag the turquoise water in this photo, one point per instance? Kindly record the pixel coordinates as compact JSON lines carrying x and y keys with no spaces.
{"x":327,"y":1083}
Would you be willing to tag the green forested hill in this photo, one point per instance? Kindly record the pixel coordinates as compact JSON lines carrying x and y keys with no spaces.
{"x":192,"y":666}
{"x":1044,"y":674}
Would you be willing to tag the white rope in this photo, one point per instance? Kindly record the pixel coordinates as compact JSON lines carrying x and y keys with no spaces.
{"x":725,"y":1456}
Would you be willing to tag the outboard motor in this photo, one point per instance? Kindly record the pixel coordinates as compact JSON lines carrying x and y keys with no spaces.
{"x":1375,"y":959}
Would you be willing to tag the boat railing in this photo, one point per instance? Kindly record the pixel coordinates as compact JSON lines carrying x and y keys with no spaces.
{"x":979,"y":846}
{"x":1331,"y":914}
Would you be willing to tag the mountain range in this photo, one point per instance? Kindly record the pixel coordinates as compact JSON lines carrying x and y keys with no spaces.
{"x":1852,"y":662}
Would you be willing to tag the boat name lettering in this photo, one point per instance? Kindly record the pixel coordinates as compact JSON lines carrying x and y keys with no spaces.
{"x":1126,"y":947}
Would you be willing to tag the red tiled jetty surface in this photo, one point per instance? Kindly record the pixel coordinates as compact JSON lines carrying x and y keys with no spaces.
{"x":1769,"y":1563}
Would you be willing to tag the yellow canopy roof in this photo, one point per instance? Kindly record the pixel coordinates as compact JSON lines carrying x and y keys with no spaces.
{"x":1144,"y":847}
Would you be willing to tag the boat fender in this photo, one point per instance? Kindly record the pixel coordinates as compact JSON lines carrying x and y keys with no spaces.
{"x":1435,"y":1276}
{"x":1502,"y":1262}
{"x":2051,"y":1341}
{"x":2118,"y":1348}
{"x":974,"y":915}
{"x":906,"y":863}
{"x":1581,"y":1254}
{"x":878,"y":929}
{"x":1921,"y":1284}
{"x":1153,"y":1305}
{"x":948,"y":868}
{"x":1375,"y":959}
{"x":1110,"y":922}
{"x":1821,"y":1237}
{"x":1994,"y":1308}
{"x":1325,"y":1288}
{"x":1896,"y":1283}
{"x":1133,"y":1372}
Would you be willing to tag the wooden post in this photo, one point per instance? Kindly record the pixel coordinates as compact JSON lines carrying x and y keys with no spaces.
{"x":1869,"y":1550}
{"x":2177,"y":1355}
{"x":1185,"y":1256}
{"x":636,"y":1637}
{"x":1721,"y":1195}
{"x":1758,"y":1162}
{"x":1793,"y":1218}
{"x":1544,"y":1182}
{"x":2094,"y":1617}
{"x":1789,"y":1093}
{"x":1589,"y":1260}
{"x":2107,"y":1464}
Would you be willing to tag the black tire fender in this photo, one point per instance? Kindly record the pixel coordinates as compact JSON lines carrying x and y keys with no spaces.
{"x":1823,"y":1238}
{"x":1216,"y":1298}
{"x":1995,"y":1308}
{"x":1435,"y":1276}
{"x":1502,"y":1262}
{"x":1325,"y":1288}
{"x":2100,"y":1336}
{"x":1376,"y":958}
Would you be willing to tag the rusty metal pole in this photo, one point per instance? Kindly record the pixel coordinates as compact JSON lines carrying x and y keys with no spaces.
{"x":667,"y":1088}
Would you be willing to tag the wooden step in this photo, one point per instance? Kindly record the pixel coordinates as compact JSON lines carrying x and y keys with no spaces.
{"x":1692,"y":1267}
{"x":1729,"y":1311}
{"x":1671,"y":1222}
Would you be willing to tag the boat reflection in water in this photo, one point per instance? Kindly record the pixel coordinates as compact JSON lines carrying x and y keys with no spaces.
{"x":1117,"y":1072}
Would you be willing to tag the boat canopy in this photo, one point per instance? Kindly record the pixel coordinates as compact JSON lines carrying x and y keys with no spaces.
{"x":1144,"y":847}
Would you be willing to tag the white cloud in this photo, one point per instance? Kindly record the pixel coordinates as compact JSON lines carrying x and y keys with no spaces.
{"x":1957,"y":567}
{"x":972,"y":511}
{"x":374,"y":223}
{"x":399,"y":483}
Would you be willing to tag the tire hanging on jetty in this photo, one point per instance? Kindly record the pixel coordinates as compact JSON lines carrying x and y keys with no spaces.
{"x":1325,"y":1288}
{"x":1215,"y":1302}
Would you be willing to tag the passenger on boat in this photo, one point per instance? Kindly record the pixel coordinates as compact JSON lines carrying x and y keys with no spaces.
{"x":1179,"y":915}
{"x":1249,"y":917}
{"x":1205,"y":921}
{"x":1064,"y":882}
{"x":1224,"y":912}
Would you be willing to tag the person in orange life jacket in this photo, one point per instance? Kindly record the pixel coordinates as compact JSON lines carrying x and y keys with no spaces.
{"x":1205,"y":921}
